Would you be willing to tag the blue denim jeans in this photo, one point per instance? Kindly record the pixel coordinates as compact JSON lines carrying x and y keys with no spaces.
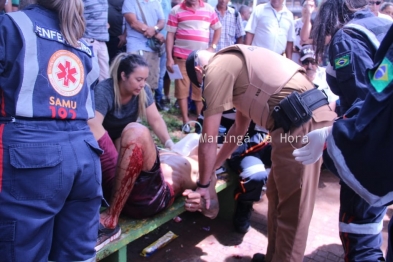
{"x":158,"y":93}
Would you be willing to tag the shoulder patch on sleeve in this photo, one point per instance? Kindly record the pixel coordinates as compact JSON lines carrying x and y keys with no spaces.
{"x":342,"y":61}
{"x":381,"y":77}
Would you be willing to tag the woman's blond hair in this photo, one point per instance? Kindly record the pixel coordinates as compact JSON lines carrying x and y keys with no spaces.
{"x":127,"y":63}
{"x":72,"y":22}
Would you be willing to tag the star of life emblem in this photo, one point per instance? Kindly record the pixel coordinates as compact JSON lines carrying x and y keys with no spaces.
{"x":66,"y":73}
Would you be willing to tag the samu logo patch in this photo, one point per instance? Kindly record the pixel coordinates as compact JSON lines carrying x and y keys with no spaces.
{"x":342,"y":61}
{"x":66,"y":73}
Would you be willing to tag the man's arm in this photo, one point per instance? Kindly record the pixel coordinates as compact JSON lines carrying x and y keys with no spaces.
{"x":307,"y":10}
{"x":148,"y":31}
{"x":160,"y":25}
{"x":170,"y":40}
{"x":134,"y":23}
{"x":207,"y":156}
{"x":343,"y":74}
{"x":207,"y":150}
{"x":237,"y":131}
{"x":288,"y":50}
{"x":248,"y":39}
{"x":239,"y":40}
{"x":216,"y":38}
{"x":205,"y":199}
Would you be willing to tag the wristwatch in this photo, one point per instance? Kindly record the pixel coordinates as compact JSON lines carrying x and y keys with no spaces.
{"x":156,"y":29}
{"x":214,"y":46}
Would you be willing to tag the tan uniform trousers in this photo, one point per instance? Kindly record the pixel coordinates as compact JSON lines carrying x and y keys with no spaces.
{"x":291,"y":190}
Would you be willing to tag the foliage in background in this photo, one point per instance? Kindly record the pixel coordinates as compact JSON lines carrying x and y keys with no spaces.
{"x":173,"y":123}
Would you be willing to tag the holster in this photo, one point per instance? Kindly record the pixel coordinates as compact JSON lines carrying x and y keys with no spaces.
{"x":296,"y":109}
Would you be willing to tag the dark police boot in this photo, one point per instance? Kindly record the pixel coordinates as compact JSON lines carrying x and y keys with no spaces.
{"x":242,"y":216}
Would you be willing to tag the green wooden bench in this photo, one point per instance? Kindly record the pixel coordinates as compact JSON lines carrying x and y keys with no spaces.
{"x":132,"y":229}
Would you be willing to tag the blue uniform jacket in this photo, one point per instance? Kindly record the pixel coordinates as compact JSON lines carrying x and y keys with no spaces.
{"x":41,"y":75}
{"x":351,"y":53}
{"x":361,"y":144}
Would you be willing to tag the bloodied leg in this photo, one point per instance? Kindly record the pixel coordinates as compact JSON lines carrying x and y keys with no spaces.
{"x":136,"y":157}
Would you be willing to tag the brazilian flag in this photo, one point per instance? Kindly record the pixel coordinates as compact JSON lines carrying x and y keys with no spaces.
{"x":342,"y":61}
{"x":382,"y":76}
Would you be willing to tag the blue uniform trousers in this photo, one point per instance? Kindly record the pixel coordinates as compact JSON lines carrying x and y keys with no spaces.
{"x":50,"y":191}
{"x":360,"y":224}
{"x":252,"y":174}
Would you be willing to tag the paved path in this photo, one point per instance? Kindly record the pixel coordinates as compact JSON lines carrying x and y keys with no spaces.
{"x":202,"y":239}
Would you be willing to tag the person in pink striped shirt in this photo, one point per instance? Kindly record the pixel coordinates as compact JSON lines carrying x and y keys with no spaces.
{"x":188,"y":30}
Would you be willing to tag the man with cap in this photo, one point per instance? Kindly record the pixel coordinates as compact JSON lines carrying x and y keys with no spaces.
{"x":243,"y":77}
{"x":315,"y":73}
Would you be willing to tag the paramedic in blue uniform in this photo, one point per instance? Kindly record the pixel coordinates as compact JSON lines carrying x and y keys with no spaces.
{"x":50,"y":174}
{"x":366,"y":128}
{"x":356,"y":35}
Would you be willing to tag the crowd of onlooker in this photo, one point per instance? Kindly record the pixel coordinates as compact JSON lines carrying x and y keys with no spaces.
{"x":155,"y":29}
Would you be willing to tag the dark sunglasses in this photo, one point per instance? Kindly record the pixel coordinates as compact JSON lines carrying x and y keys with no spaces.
{"x":309,"y":61}
{"x":374,"y":2}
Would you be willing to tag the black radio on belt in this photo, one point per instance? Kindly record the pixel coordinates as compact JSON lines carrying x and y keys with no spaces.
{"x":296,"y":109}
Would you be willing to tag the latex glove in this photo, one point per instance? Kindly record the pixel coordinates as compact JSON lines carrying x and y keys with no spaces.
{"x":169,"y":144}
{"x":310,"y":153}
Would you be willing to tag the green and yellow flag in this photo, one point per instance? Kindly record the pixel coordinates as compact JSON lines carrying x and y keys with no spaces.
{"x":382,"y":76}
{"x":342,"y":61}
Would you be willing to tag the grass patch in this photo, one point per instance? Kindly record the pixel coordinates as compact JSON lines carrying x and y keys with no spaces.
{"x":173,"y":122}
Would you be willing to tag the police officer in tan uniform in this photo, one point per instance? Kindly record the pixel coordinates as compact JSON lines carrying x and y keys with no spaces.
{"x":273,"y":92}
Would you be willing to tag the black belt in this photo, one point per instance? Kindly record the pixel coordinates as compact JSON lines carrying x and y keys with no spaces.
{"x":314,"y":98}
{"x":296,"y":109}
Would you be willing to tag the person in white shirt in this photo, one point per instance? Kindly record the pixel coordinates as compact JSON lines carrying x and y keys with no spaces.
{"x":387,"y":9}
{"x":374,"y":7}
{"x":271,"y":26}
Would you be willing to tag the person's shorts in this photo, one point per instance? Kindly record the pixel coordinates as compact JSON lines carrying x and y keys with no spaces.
{"x":150,"y":194}
{"x":182,"y":86}
{"x":15,"y":2}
